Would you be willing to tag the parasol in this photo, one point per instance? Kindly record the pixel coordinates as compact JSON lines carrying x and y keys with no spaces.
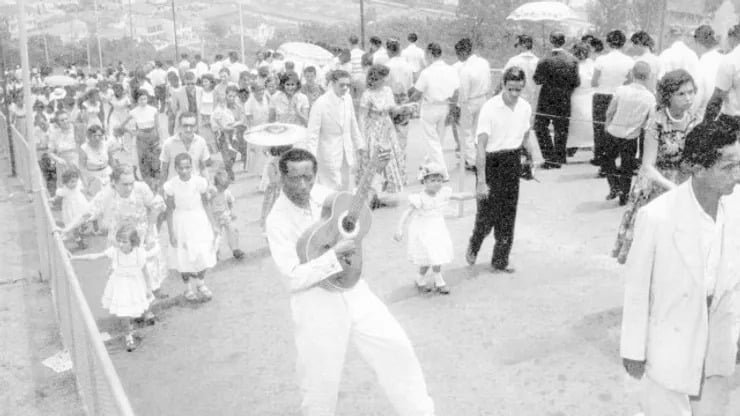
{"x":59,"y":81}
{"x":305,"y":54}
{"x":543,"y":11}
{"x":275,"y":134}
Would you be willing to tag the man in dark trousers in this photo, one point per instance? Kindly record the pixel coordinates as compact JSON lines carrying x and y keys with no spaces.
{"x":503,"y":130}
{"x":558,"y":76}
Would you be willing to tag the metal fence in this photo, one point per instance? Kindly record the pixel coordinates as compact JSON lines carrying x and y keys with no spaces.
{"x":98,"y":384}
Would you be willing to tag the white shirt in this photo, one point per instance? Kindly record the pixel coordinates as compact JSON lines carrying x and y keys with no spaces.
{"x":144,"y":117}
{"x":414,"y":55}
{"x":438,"y":82}
{"x":157,"y":76}
{"x":505,"y":127}
{"x":235,"y":69}
{"x":712,"y":233}
{"x":706,"y":79}
{"x":678,"y":56}
{"x":527,"y":61}
{"x":401,"y":75}
{"x":201,"y":68}
{"x":633,"y":104}
{"x":356,"y":61}
{"x":216,"y":67}
{"x":285,"y":224}
{"x":614,"y":67}
{"x":728,"y":79}
{"x":380,"y":57}
{"x":475,"y":81}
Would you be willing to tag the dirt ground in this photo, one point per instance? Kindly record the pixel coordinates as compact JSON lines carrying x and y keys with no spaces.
{"x":542,"y":341}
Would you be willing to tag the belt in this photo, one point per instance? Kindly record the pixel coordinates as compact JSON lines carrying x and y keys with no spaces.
{"x":97,"y":169}
{"x":504,"y":152}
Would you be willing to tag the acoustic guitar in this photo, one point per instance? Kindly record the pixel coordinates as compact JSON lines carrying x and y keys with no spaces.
{"x":343,"y":216}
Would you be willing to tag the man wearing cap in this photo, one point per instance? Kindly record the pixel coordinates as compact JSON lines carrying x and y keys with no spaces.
{"x":726,"y":98}
{"x":475,"y":87}
{"x":527,"y":61}
{"x":503,"y":129}
{"x":707,"y":69}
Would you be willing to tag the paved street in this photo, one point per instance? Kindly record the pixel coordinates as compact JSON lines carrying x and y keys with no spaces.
{"x":543,"y":341}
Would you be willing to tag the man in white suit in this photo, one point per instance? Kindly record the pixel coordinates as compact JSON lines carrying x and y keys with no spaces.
{"x":682,"y":277}
{"x":333,"y":133}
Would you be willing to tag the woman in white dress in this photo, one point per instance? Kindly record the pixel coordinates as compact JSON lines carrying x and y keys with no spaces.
{"x":193,"y":232}
{"x":94,"y":160}
{"x":580,"y":130}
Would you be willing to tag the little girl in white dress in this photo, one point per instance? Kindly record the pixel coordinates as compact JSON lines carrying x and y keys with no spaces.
{"x":193,"y":231}
{"x":429,"y":242}
{"x":127,"y":294}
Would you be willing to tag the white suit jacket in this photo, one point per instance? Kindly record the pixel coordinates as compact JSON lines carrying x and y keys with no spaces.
{"x":665,"y":319}
{"x":331,"y":137}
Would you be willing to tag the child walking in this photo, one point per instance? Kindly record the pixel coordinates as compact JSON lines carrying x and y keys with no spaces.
{"x":127,"y":294}
{"x":429,"y":242}
{"x":74,"y":203}
{"x":222,"y":208}
{"x":193,"y":231}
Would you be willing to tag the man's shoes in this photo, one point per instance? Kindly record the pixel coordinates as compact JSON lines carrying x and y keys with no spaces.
{"x":505,"y":269}
{"x":623,"y":199}
{"x":595,"y":162}
{"x":238,"y":254}
{"x":422,"y":289}
{"x":613,"y":194}
{"x":470,"y":257}
{"x":442,"y":290}
{"x":601,"y":173}
{"x":547,"y":166}
{"x":470,"y":167}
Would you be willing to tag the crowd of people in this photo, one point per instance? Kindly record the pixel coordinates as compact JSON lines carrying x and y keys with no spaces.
{"x":670,"y":120}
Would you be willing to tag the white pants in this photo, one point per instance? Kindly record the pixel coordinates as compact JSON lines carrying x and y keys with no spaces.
{"x":432,"y":117}
{"x":324,"y":323}
{"x":468,"y":126}
{"x":336,"y":178}
{"x":656,"y":400}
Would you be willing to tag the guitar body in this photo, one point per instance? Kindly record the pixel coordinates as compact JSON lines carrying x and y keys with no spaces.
{"x":330,"y":229}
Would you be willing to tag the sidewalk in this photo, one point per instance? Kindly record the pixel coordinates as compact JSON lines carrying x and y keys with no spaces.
{"x":28,"y":330}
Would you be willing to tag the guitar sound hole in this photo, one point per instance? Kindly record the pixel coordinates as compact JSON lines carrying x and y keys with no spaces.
{"x":348,"y":225}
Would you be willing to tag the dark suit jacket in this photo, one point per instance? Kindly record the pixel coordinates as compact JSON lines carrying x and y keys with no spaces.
{"x":558,"y":75}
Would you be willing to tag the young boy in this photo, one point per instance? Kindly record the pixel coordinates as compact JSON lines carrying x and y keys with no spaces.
{"x":222,"y":205}
{"x":312,"y":90}
{"x":625,"y":119}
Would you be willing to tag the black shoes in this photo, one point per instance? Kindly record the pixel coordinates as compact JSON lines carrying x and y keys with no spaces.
{"x":613,"y":194}
{"x":470,"y":257}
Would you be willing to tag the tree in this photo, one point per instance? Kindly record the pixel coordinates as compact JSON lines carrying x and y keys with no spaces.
{"x":626,"y":15}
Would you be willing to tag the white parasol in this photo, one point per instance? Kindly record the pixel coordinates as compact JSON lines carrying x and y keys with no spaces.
{"x":543,"y":11}
{"x":59,"y":81}
{"x":304,"y":54}
{"x":275,"y":134}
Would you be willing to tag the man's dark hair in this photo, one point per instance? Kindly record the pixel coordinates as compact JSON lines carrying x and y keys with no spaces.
{"x":464,"y":45}
{"x":393,"y":46}
{"x":412,"y":37}
{"x":374,"y":40}
{"x":525,"y":41}
{"x":513,"y":73}
{"x":704,"y":36}
{"x":615,"y":39}
{"x":597,"y":44}
{"x":642,"y":38}
{"x":557,"y":39}
{"x":580,"y":51}
{"x":184,"y":56}
{"x":353,"y":40}
{"x":336,"y":75}
{"x":705,"y":142}
{"x":296,"y":154}
{"x":434,"y":49}
{"x":734,"y":32}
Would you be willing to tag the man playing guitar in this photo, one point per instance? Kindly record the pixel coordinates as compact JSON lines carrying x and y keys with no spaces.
{"x":326,"y":319}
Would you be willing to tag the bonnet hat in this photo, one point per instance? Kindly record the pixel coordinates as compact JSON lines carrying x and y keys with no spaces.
{"x":430,"y":168}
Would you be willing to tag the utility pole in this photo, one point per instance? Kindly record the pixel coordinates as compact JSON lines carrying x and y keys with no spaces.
{"x":97,"y":35}
{"x":46,"y":49}
{"x":174,"y":31}
{"x":661,"y":30}
{"x":11,"y":152}
{"x":130,"y":20}
{"x":362,"y":23}
{"x":241,"y":29}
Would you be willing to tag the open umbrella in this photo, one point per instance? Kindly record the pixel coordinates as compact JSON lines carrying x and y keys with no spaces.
{"x":59,"y":81}
{"x":305,"y":54}
{"x":543,"y":11}
{"x":275,"y":134}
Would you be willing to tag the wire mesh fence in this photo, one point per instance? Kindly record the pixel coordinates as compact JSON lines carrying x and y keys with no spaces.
{"x":98,"y":385}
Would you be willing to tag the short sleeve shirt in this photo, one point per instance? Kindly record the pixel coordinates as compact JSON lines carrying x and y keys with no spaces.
{"x":173,"y":146}
{"x":504,"y":126}
{"x":144,"y":117}
{"x":614,"y":68}
{"x":728,"y":79}
{"x":438,"y":82}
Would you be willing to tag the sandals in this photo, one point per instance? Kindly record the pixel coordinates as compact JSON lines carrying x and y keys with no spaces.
{"x":207,"y":294}
{"x":130,"y":342}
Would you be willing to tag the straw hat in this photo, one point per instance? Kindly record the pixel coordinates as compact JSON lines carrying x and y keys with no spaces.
{"x":58,"y":94}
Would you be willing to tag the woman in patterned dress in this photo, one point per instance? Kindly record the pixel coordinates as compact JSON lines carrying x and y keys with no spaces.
{"x":662,"y":166}
{"x":289,"y":104}
{"x":376,"y":105}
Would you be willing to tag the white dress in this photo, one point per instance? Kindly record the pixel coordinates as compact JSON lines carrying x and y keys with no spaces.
{"x":126,"y":294}
{"x":429,"y":242}
{"x":97,"y":172}
{"x":195,"y":249}
{"x":581,"y":130}
{"x":74,"y":203}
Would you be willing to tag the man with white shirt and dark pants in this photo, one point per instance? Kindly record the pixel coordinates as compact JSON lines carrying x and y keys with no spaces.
{"x":725,"y":101}
{"x":625,"y":119}
{"x":414,"y":55}
{"x":706,"y":74}
{"x":610,"y":71}
{"x":437,"y":88}
{"x":326,"y":318}
{"x":475,"y":87}
{"x":503,"y":129}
